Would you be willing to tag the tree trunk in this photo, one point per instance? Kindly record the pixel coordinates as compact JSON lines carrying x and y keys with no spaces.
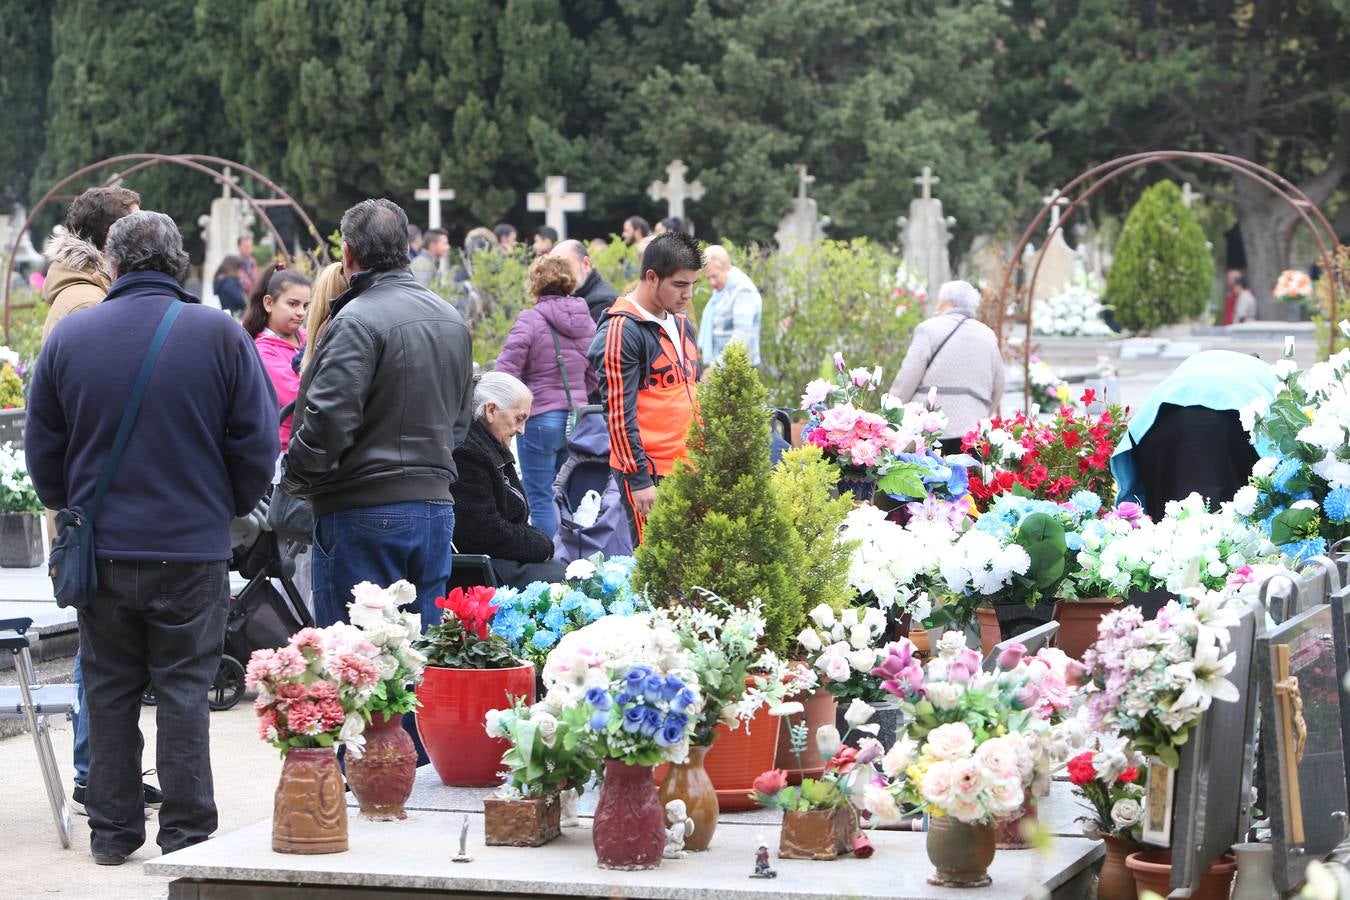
{"x":1267,"y":223}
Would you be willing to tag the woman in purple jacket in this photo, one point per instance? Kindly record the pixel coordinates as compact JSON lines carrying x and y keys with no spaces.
{"x":546,"y":349}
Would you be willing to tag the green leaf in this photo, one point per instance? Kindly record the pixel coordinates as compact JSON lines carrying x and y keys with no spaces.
{"x":904,"y":480}
{"x":1168,"y":754}
{"x":525,"y":730}
{"x":1291,"y":525}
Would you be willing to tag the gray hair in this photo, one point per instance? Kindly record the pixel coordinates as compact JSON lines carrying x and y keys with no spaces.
{"x":376,"y":231}
{"x":503,"y":390}
{"x":146,"y":242}
{"x":960,"y":294}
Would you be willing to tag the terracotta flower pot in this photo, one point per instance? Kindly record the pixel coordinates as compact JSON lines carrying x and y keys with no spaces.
{"x":531,"y":822}
{"x":1115,"y":881}
{"x":382,"y":777}
{"x":990,"y":631}
{"x":919,"y":635}
{"x":820,"y":710}
{"x":1078,"y":623}
{"x":960,"y":853}
{"x":736,"y":759}
{"x":450,"y":720}
{"x":1152,"y":871}
{"x":629,"y":830}
{"x":309,"y":812}
{"x":690,"y":782}
{"x":817,"y":834}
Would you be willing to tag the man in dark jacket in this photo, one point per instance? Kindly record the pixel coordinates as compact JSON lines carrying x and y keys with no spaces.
{"x":597,"y":293}
{"x":201,"y":452}
{"x":380,"y":410}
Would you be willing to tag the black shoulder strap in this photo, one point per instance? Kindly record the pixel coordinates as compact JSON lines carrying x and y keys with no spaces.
{"x":562,"y":368}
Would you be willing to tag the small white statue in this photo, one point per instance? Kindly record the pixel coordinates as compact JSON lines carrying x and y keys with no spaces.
{"x":567,"y":817}
{"x":681,"y":827}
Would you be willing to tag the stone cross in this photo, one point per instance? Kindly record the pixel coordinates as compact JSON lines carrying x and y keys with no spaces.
{"x":221,"y":230}
{"x":433,"y":194}
{"x":1055,"y":202}
{"x":804,"y":225}
{"x":926,"y":233}
{"x":925,"y":181}
{"x":1188,"y":195}
{"x":555,"y":203}
{"x":675,"y":190}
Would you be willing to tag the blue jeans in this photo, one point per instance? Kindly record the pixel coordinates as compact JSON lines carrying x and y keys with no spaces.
{"x":543,"y":450}
{"x":382,"y":544}
{"x":80,"y":725}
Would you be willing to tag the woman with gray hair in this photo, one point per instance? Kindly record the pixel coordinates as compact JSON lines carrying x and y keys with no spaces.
{"x":959,"y":356}
{"x":492,"y":515}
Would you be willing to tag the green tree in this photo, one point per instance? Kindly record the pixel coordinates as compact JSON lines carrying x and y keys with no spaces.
{"x":1163,"y":270}
{"x":717,"y":523}
{"x":25,"y":69}
{"x":804,"y":483}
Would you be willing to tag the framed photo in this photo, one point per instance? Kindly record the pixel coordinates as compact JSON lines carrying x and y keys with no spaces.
{"x":1158,"y":799}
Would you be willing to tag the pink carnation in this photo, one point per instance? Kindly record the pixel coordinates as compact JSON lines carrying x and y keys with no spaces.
{"x":308,"y":638}
{"x":259,"y":668}
{"x":323,"y":690}
{"x":290,"y":691}
{"x":288,"y":663}
{"x":267,"y":720}
{"x":303,"y":718}
{"x":331,"y":713}
{"x":354,"y":669}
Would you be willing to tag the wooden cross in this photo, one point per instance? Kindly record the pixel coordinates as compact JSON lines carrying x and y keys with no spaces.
{"x":555,"y":203}
{"x":925,"y":181}
{"x":1055,"y":202}
{"x":675,"y":190}
{"x":433,"y":194}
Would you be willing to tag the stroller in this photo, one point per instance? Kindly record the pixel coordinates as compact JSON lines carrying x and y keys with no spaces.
{"x":585,"y":528}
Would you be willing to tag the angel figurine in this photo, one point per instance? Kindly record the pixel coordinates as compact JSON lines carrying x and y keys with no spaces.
{"x":680,"y":827}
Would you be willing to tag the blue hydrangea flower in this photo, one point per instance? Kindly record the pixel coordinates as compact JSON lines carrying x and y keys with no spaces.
{"x":1086,"y":502}
{"x":555,"y":619}
{"x":1337,"y":505}
{"x":613,"y":576}
{"x":544,"y":639}
{"x":1297,"y":551}
{"x":1284,"y":472}
{"x":510,"y":624}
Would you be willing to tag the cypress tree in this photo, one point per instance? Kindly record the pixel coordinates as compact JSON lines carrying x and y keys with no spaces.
{"x":1163,"y":272}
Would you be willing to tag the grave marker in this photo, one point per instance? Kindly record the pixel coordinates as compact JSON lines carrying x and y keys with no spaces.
{"x":433,"y":194}
{"x":555,"y":203}
{"x":675,"y":190}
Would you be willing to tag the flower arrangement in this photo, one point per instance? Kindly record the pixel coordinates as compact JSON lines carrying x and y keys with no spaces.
{"x":1293,"y":286}
{"x":1077,"y":310}
{"x":375,"y":611}
{"x":1299,"y":493}
{"x":1110,"y":779}
{"x":893,"y":567}
{"x":1048,"y":390}
{"x":640,"y":717}
{"x":463,"y":639}
{"x":589,"y":656}
{"x":17,"y":494}
{"x":1047,"y":459}
{"x":1150,"y":681}
{"x":548,"y":754}
{"x":847,"y":650}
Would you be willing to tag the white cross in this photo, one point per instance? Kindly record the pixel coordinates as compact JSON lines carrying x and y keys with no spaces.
{"x":555,"y":203}
{"x":925,"y":181}
{"x":803,"y":180}
{"x":1055,"y":201}
{"x":226,"y":179}
{"x":433,"y":194}
{"x":675,"y":190}
{"x":1188,"y":195}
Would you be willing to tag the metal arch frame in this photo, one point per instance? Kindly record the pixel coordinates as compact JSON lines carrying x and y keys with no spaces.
{"x":1099,"y":176}
{"x":144,"y":161}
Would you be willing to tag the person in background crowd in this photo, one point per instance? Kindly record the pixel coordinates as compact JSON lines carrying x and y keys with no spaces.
{"x":544,"y":239}
{"x":491,"y":512}
{"x":958,"y":355}
{"x":1244,"y":308}
{"x":506,"y":238}
{"x":671,"y":223}
{"x":276,"y":321}
{"x":597,"y":292}
{"x":78,"y":279}
{"x":1230,"y":299}
{"x":647,"y":359}
{"x":432,"y":260}
{"x":733,"y":311}
{"x":546,"y":350}
{"x":229,"y":290}
{"x":327,"y":287}
{"x":635,"y":228}
{"x":414,"y":242}
{"x":372,"y":445}
{"x":248,"y":273}
{"x":201,"y":452}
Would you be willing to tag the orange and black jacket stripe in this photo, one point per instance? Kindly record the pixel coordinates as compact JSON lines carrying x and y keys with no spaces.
{"x":647,"y":392}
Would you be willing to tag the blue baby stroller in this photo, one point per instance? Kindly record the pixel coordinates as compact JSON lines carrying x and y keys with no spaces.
{"x":598,"y":524}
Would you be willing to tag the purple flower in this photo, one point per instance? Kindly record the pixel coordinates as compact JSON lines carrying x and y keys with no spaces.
{"x":672,"y":731}
{"x":683,"y":700}
{"x":599,"y":698}
{"x":653,"y":687}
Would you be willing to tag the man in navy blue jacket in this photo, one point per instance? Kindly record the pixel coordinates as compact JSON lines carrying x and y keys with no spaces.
{"x":202,"y":451}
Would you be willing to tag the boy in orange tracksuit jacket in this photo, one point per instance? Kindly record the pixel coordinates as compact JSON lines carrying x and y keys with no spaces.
{"x":646,"y":354}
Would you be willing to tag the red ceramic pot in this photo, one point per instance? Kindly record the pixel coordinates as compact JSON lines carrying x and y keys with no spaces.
{"x":382,"y":776}
{"x":450,"y":719}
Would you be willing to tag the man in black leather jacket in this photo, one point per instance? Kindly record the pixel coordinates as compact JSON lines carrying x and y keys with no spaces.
{"x":381,"y":409}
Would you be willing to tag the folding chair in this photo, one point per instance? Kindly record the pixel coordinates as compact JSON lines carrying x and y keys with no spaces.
{"x":471,"y":570}
{"x":35,"y":703}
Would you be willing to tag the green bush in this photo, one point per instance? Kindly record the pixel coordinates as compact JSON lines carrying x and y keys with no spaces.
{"x":717,"y":523}
{"x":1163,"y":271}
{"x":804,"y":483}
{"x":499,"y":281}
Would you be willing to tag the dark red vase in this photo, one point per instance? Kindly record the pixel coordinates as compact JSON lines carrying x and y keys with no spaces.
{"x":382,"y":777}
{"x":629,"y":829}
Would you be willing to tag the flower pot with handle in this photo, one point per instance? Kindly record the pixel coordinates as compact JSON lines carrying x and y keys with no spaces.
{"x":1115,"y":881}
{"x":1153,"y":872}
{"x":309,"y":810}
{"x":689,"y":782}
{"x":629,"y":829}
{"x":529,"y":822}
{"x":820,"y":709}
{"x":817,"y":834}
{"x":737,"y":758}
{"x":454,"y":703}
{"x":960,"y":853}
{"x":20,"y":540}
{"x":1078,"y":622}
{"x":382,"y":777}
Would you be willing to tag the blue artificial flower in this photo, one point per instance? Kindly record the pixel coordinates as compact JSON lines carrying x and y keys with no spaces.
{"x":670,"y":733}
{"x":533,"y":591}
{"x":1073,"y":541}
{"x":623,"y":698}
{"x":678,"y":718}
{"x":592,"y":609}
{"x":683,"y":700}
{"x":1086,"y":502}
{"x":632,"y":719}
{"x":1284,"y":472}
{"x":599,"y":698}
{"x":1337,"y":505}
{"x":652,"y":688}
{"x":510,"y":624}
{"x":627,"y":563}
{"x":636,"y":678}
{"x":573,"y":600}
{"x":651,"y":720}
{"x":622,"y":608}
{"x":613,"y":576}
{"x":1298,"y":551}
{"x":555,"y":619}
{"x":671,"y":686}
{"x":506,"y":596}
{"x":599,"y":721}
{"x":543,"y":638}
{"x":958,"y":484}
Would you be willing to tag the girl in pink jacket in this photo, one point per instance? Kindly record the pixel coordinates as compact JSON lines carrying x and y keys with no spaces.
{"x":274,"y":319}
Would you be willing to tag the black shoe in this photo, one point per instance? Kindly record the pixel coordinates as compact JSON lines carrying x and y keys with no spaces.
{"x":108,"y":859}
{"x":77,"y":800}
{"x":154,"y":797}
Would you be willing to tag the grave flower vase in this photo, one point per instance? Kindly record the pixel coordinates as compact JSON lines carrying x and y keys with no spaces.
{"x":1255,"y":872}
{"x":818,"y":834}
{"x":1078,"y":622}
{"x":960,"y":853}
{"x":530,"y":822}
{"x":309,"y":811}
{"x":629,"y":830}
{"x":1115,"y":881}
{"x":689,"y":782}
{"x":990,"y":631}
{"x":20,"y":540}
{"x":382,"y":777}
{"x":1011,"y":834}
{"x":821,"y":708}
{"x":738,"y":757}
{"x":450,"y":719}
{"x":1152,"y":871}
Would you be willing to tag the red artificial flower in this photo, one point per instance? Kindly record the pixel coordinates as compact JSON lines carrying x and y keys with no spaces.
{"x":1081,"y":770}
{"x":1089,"y":397}
{"x":1071,"y":439}
{"x":862,"y":847}
{"x":1129,"y":776}
{"x":843,"y":760}
{"x":473,"y":609}
{"x":770,"y":782}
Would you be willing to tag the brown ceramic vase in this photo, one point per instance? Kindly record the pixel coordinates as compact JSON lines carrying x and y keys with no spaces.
{"x":1116,"y":881}
{"x":817,"y":834}
{"x":960,"y":853}
{"x":382,"y":777}
{"x":629,"y":829}
{"x":690,"y":782}
{"x":309,"y":813}
{"x":531,"y":822}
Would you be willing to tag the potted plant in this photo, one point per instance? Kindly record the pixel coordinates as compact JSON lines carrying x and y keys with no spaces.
{"x":310,"y":696}
{"x":548,"y":755}
{"x":382,"y":776}
{"x":847,"y":648}
{"x":21,"y":544}
{"x":469,"y":671}
{"x":1108,"y":778}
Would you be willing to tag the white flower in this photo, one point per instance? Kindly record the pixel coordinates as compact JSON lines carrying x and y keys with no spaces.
{"x":900,"y":757}
{"x":1244,"y":501}
{"x":860,"y":636}
{"x":881,"y":804}
{"x":547,"y":725}
{"x":822,"y":615}
{"x":790,"y":708}
{"x":1208,"y":682}
{"x":863,"y":661}
{"x":952,"y":741}
{"x":997,"y":759}
{"x":492,"y":723}
{"x":858,"y":713}
{"x":951,"y":644}
{"x":810,"y":640}
{"x":944,"y":695}
{"x":828,"y":741}
{"x":352,"y":734}
{"x":579,"y":570}
{"x":848,"y":618}
{"x":1126,"y":813}
{"x":938,"y":783}
{"x":1265,"y":466}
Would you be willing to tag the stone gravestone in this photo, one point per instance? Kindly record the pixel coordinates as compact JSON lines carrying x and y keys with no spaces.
{"x":229,"y":219}
{"x":925,"y":233}
{"x":804,"y":225}
{"x":1058,"y":260}
{"x":675,"y":190}
{"x":1304,"y":762}
{"x":987,"y":262}
{"x":434,"y":194}
{"x":555,"y":203}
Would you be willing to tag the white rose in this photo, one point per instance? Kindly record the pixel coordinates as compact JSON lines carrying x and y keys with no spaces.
{"x":370,"y":595}
{"x":492,"y":723}
{"x":952,"y":741}
{"x":860,"y":636}
{"x":937,"y":783}
{"x":822,"y":615}
{"x":401,"y":593}
{"x":1006,"y":797}
{"x":848,"y":618}
{"x":858,"y":713}
{"x":547,"y":726}
{"x":996,"y":758}
{"x":881,"y":804}
{"x":944,"y":695}
{"x":828,"y":741}
{"x":366,"y":617}
{"x":386,"y":665}
{"x":900,"y":757}
{"x":1126,"y":813}
{"x":579,"y":570}
{"x":835,"y":666}
{"x":810,"y":640}
{"x":863,"y":661}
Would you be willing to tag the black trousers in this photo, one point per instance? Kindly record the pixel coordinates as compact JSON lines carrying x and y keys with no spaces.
{"x":161,"y":624}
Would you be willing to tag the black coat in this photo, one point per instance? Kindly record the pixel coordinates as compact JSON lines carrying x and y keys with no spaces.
{"x":491,"y":512}
{"x":598,"y":294}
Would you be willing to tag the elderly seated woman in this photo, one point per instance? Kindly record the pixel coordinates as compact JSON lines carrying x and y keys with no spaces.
{"x":491,"y":512}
